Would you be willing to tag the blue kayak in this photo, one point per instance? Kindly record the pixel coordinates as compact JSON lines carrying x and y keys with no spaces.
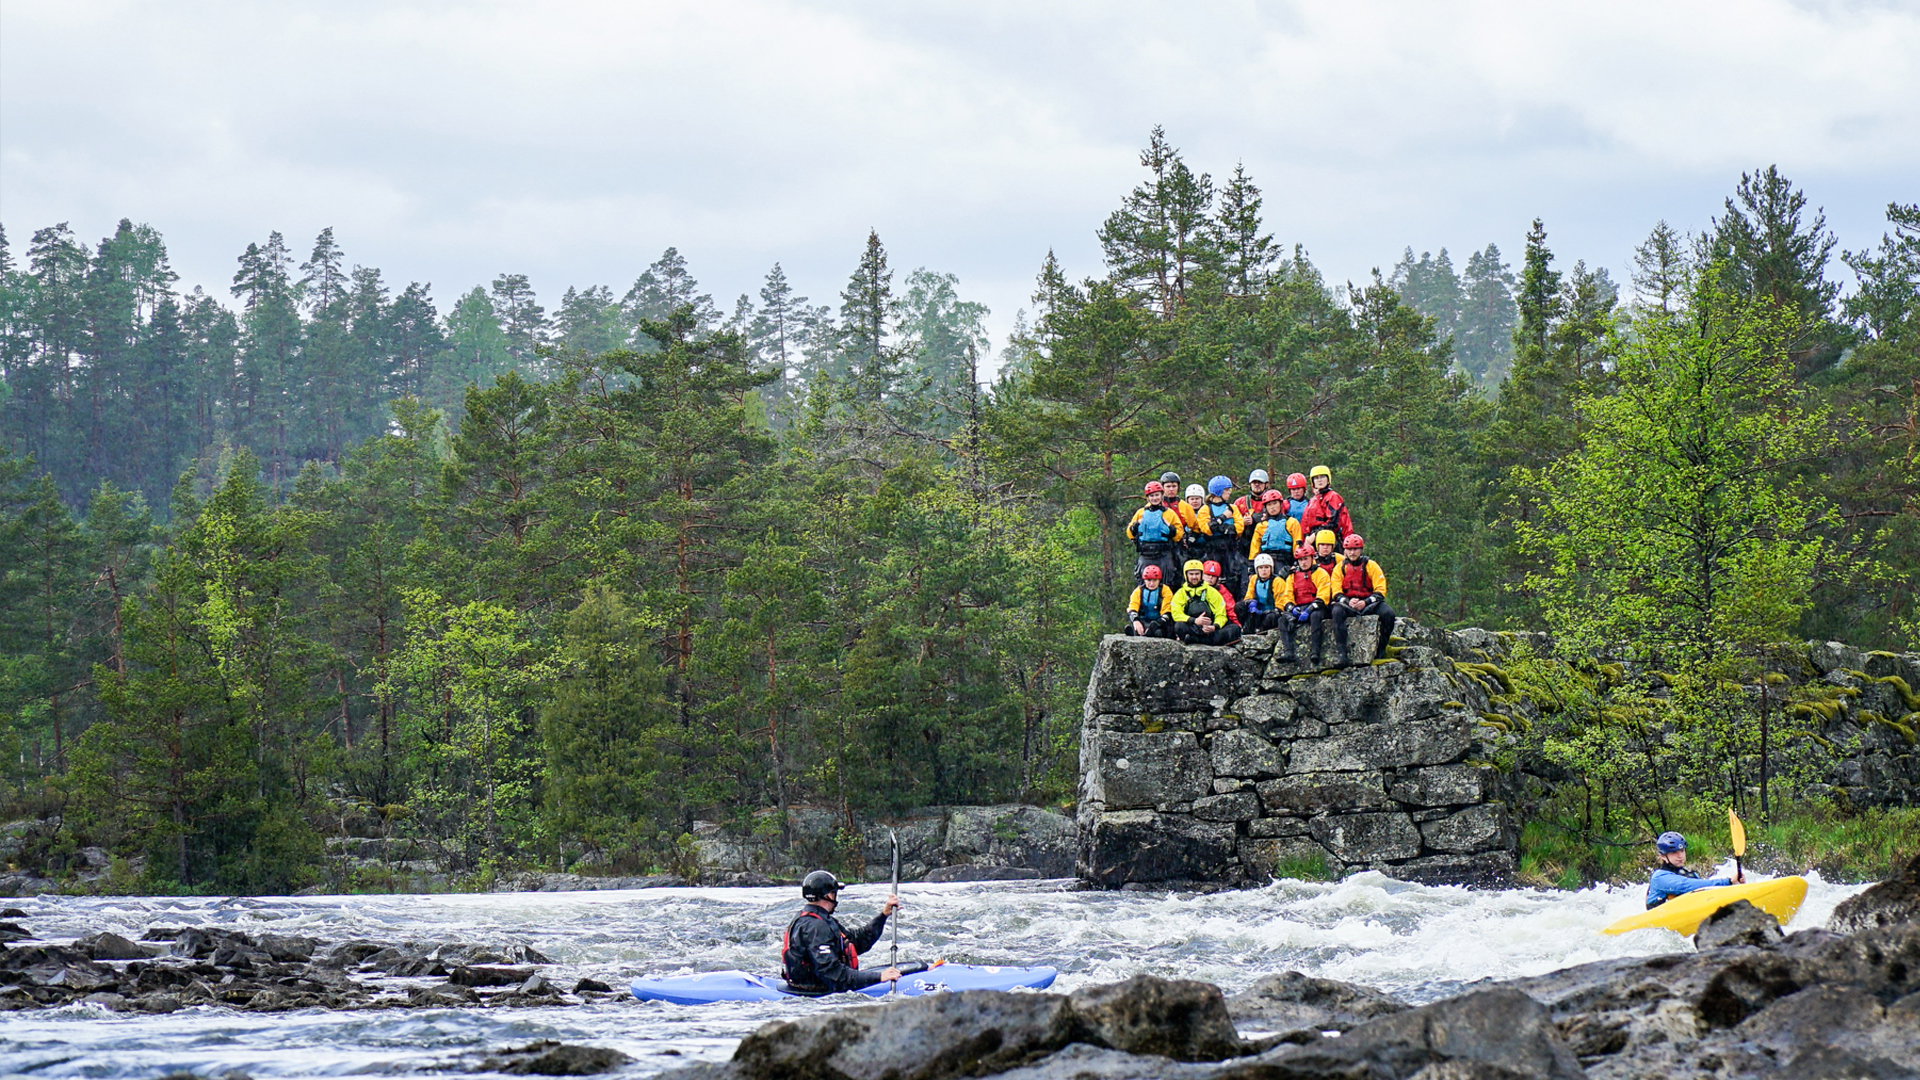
{"x":715,"y":986}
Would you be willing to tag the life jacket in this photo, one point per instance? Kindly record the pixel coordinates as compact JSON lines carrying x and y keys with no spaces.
{"x":1154,"y":528}
{"x":1327,"y":510}
{"x":1150,"y":602}
{"x":1260,"y":594}
{"x":1354,"y":579}
{"x":1297,"y":507}
{"x":801,"y":972}
{"x":1221,"y":526}
{"x":1304,"y":590}
{"x":1277,"y":540}
{"x":1197,"y":605}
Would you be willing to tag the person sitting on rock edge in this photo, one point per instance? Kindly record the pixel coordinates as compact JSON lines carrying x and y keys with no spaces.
{"x":1306,"y":593}
{"x":1264,"y":594}
{"x":1210,"y":573}
{"x":1150,"y":608}
{"x":1672,"y":878}
{"x":1360,"y":589}
{"x":818,"y":954}
{"x":1199,"y":617}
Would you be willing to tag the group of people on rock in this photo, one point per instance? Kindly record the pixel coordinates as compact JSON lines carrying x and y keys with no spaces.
{"x":1217,"y":544}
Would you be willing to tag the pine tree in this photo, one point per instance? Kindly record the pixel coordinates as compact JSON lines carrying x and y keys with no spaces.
{"x":1770,"y":252}
{"x":588,"y":322}
{"x":1246,"y":254}
{"x":1662,"y":270}
{"x":523,"y":321}
{"x":1483,"y":338}
{"x":1162,"y":236}
{"x":866,"y":306}
{"x":660,"y":290}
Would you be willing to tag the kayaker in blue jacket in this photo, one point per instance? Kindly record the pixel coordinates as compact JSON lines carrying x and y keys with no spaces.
{"x":1672,"y":878}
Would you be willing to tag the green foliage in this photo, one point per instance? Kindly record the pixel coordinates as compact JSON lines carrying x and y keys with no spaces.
{"x":512,"y":584}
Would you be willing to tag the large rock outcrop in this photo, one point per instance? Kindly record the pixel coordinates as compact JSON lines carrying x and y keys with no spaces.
{"x":1227,"y":765}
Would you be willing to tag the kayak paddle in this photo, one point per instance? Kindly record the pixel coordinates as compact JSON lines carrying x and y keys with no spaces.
{"x":1739,"y":841}
{"x":894,"y":960}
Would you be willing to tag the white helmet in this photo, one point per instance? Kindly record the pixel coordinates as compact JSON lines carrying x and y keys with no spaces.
{"x":1262,"y":559}
{"x":1196,"y":489}
{"x":1259,"y":475}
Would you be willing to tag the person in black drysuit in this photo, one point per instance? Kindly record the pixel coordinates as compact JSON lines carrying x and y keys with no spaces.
{"x":819,"y":955}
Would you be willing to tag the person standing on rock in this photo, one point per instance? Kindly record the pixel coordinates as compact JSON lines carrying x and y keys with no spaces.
{"x":1199,"y":615}
{"x":1277,"y":534}
{"x":1672,"y":878}
{"x":1326,"y":509}
{"x":1257,"y":486}
{"x":1193,"y":515}
{"x":1361,"y":590}
{"x":1226,"y":528}
{"x":1150,"y":608}
{"x":1306,"y":594}
{"x":1297,"y":499}
{"x":1156,"y":533}
{"x":819,"y":955}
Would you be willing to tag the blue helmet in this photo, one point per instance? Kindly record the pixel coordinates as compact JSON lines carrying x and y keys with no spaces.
{"x":1219,"y":485}
{"x":1669,"y":842}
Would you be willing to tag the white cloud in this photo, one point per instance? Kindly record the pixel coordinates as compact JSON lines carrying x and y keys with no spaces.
{"x":573,"y":141}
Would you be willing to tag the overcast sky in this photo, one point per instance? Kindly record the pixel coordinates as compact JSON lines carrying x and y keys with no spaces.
{"x":573,"y":141}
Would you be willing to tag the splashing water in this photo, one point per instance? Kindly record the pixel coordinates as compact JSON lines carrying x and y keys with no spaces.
{"x":1418,"y":942}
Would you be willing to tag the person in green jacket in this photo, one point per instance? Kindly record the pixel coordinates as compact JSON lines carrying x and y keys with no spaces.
{"x":1199,"y":614}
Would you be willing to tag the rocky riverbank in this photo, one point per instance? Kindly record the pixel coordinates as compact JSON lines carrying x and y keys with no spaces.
{"x":169,"y":969}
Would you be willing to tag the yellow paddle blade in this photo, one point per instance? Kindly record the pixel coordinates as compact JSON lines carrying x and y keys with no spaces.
{"x":1739,"y":833}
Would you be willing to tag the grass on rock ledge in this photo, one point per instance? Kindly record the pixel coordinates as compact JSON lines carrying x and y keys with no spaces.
{"x":1558,"y":850}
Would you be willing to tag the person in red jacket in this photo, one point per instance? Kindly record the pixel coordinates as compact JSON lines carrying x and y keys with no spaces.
{"x":1361,"y":591}
{"x":1306,"y":602}
{"x":1211,"y":570}
{"x":1257,"y":486}
{"x":1325,"y":509}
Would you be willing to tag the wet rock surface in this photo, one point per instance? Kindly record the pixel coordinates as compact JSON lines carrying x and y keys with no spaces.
{"x":174,"y":968}
{"x":1891,"y":902}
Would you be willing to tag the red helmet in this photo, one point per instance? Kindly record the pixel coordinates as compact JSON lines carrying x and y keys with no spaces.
{"x":1353,"y":542}
{"x":1212,"y":568}
{"x":1151,"y":573}
{"x":1153,"y":487}
{"x":1295,"y":480}
{"x":1305,"y":551}
{"x":1273,"y":495}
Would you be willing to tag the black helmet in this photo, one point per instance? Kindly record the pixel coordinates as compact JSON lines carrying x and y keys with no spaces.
{"x":818,"y":885}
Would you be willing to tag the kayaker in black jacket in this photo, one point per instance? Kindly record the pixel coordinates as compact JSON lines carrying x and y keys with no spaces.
{"x":819,"y":955}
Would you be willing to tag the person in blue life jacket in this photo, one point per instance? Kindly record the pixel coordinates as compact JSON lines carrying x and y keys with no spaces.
{"x":819,"y":955}
{"x":1264,"y":595}
{"x":1672,"y":878}
{"x":1156,"y":532}
{"x":1150,"y":608}
{"x":1226,"y":529}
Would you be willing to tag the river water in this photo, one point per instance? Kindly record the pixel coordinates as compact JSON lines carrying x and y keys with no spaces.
{"x":1416,"y":941}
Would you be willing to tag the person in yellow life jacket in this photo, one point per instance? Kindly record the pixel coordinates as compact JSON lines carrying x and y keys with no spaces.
{"x":1361,"y":591}
{"x":1193,"y":515}
{"x":1306,"y":594}
{"x":1156,"y":533}
{"x":1276,"y":534}
{"x":1260,"y":602}
{"x":1150,"y":608}
{"x":1199,"y":613}
{"x":1226,"y":529}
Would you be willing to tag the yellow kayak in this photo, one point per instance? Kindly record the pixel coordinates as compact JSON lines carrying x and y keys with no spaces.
{"x":1683,"y":914}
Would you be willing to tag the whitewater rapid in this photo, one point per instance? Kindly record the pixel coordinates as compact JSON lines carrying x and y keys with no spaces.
{"x":1418,"y":942}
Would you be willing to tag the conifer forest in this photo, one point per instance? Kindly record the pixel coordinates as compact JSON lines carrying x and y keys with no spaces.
{"x":515,"y":574}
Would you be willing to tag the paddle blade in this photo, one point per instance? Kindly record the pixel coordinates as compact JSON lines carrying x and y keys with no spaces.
{"x":1739,"y":833}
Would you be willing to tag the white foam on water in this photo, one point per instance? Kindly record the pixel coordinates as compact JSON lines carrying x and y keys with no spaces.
{"x":1420,"y":942}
